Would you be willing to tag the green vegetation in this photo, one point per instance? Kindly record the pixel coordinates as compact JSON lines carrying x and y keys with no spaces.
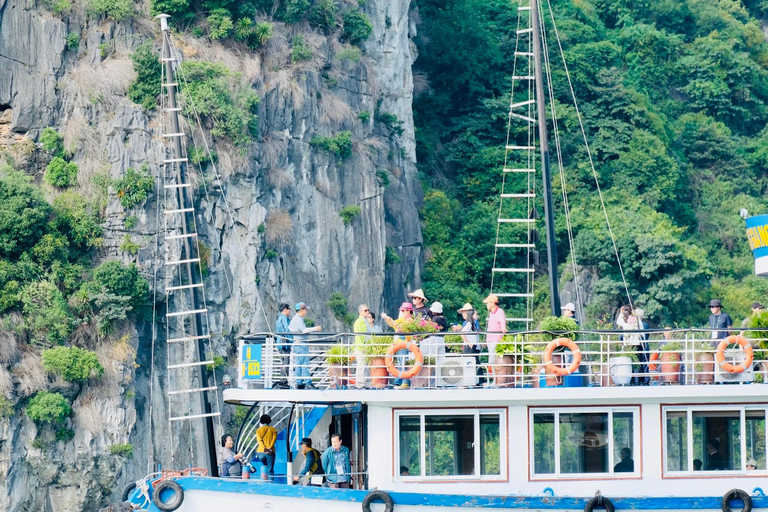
{"x":73,"y":41}
{"x":105,"y":49}
{"x":270,"y":254}
{"x":47,"y":407}
{"x":383,"y":176}
{"x":356,"y":27}
{"x":145,"y":89}
{"x":64,"y":434}
{"x":674,"y":101}
{"x":60,"y":173}
{"x":58,"y":6}
{"x":219,"y":23}
{"x":300,"y":51}
{"x":131,"y":221}
{"x":291,"y":11}
{"x":134,"y":187}
{"x":351,"y":54}
{"x":393,"y":124}
{"x":255,"y":35}
{"x":340,"y":144}
{"x":122,"y":450}
{"x":72,"y":363}
{"x":78,"y":221}
{"x":6,"y":407}
{"x":46,"y":313}
{"x":218,"y":362}
{"x":364,"y":116}
{"x":52,"y":141}
{"x":129,"y":246}
{"x":324,"y":15}
{"x":338,"y":304}
{"x":227,"y":106}
{"x":349,"y":212}
{"x":117,"y":10}
{"x":391,"y":257}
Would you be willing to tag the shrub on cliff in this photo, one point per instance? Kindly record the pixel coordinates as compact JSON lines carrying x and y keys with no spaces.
{"x":46,"y":313}
{"x":115,"y":278}
{"x":134,"y":187}
{"x":219,"y":23}
{"x":117,"y":10}
{"x":300,"y":50}
{"x":52,"y":141}
{"x":47,"y":407}
{"x":146,"y":87}
{"x":123,"y":450}
{"x":60,"y":173}
{"x":349,"y":212}
{"x":324,"y":15}
{"x":72,"y":363}
{"x":340,"y":144}
{"x":23,"y":213}
{"x":75,"y":218}
{"x":357,"y":27}
{"x":226,"y":105}
{"x":291,"y":11}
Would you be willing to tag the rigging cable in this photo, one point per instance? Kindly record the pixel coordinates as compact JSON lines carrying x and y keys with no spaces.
{"x":589,"y":153}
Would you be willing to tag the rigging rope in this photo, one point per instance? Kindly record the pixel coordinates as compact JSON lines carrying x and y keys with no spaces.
{"x":589,"y":153}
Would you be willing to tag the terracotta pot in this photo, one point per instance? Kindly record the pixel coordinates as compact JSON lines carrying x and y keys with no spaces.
{"x":705,"y":375}
{"x":379,"y":373}
{"x":670,"y":367}
{"x":504,"y":371}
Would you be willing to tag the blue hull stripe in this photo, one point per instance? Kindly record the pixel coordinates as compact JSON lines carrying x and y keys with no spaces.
{"x":457,"y":500}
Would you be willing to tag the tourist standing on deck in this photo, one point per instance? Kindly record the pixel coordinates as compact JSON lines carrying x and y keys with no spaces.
{"x":372,"y":322}
{"x":419,"y":304}
{"x":470,"y":342}
{"x":338,"y":471}
{"x":437,"y":316}
{"x":300,"y":360}
{"x":266,"y":436}
{"x":401,"y":356}
{"x":497,"y":324}
{"x":569,"y":311}
{"x":757,"y":308}
{"x":312,"y":463}
{"x":284,"y":340}
{"x":361,"y":326}
{"x":718,"y":320}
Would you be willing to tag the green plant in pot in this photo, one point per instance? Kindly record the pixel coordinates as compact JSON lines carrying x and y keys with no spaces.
{"x":337,"y":355}
{"x":670,"y":361}
{"x":554,"y":327}
{"x":758,"y":321}
{"x":514,"y":351}
{"x":453,"y":343}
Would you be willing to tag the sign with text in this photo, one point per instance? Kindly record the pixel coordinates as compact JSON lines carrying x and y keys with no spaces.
{"x":757,"y":234}
{"x":251,"y":362}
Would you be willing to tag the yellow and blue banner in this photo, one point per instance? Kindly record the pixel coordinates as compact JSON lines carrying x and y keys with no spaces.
{"x":251,"y":362}
{"x":757,"y":234}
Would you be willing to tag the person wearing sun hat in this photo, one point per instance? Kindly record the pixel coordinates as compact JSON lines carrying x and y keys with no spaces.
{"x":718,"y":320}
{"x":497,"y":327}
{"x":406,"y":311}
{"x":420,"y":304}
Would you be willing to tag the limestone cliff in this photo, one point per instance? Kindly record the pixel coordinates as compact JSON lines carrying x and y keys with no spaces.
{"x":80,"y":89}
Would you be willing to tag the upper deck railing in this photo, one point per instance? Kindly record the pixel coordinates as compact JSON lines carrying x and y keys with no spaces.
{"x":528,"y":359}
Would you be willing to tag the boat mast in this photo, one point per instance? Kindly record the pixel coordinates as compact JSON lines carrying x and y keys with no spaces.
{"x":549,"y":217}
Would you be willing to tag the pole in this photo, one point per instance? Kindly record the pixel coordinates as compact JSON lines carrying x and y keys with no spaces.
{"x":184,"y":198}
{"x":549,"y":217}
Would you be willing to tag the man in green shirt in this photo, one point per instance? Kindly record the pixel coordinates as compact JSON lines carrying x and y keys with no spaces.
{"x":361,"y":326}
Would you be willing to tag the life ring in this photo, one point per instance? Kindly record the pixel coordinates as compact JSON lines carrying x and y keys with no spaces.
{"x":128,"y":490}
{"x":720,"y":355}
{"x":562,"y":342}
{"x":599,"y":501}
{"x":390,"y":363}
{"x":389,"y":504}
{"x":168,"y":495}
{"x":736,"y":494}
{"x":654,"y":357}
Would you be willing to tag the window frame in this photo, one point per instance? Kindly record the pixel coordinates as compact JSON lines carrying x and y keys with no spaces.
{"x":635,"y":410}
{"x":741,"y":409}
{"x":502,"y":414}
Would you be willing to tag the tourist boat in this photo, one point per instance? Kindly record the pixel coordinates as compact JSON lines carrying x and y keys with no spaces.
{"x":536,"y":430}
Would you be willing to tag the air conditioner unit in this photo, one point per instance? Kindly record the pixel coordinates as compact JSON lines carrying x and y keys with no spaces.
{"x":734,"y":356}
{"x":456,"y":372}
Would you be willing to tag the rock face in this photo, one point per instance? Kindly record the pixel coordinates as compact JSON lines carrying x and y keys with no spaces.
{"x":282,"y":181}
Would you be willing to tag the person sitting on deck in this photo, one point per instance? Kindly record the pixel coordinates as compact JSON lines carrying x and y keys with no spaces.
{"x":627,"y":465}
{"x":230,"y":463}
{"x":312,"y":463}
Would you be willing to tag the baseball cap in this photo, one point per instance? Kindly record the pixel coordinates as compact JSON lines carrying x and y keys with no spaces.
{"x":493,"y":299}
{"x":301,"y":305}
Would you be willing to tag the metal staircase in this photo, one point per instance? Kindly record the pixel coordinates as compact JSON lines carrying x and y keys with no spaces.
{"x":190,"y":391}
{"x":514,"y":254}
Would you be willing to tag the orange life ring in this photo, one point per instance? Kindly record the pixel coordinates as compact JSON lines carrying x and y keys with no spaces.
{"x":654,"y":357}
{"x":390,"y":363}
{"x":562,"y":342}
{"x":720,"y":355}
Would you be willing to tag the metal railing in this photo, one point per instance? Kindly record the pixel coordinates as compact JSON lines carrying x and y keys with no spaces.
{"x":526,"y":359}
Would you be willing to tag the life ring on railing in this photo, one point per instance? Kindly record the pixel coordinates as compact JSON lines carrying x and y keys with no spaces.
{"x":562,"y":342}
{"x":599,"y":501}
{"x":736,"y":494}
{"x":417,"y":355}
{"x":389,"y":504}
{"x":720,"y":355}
{"x":168,"y":496}
{"x":654,"y":357}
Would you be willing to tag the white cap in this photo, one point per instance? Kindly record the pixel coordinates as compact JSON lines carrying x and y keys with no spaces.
{"x":569,"y":307}
{"x":436,"y":307}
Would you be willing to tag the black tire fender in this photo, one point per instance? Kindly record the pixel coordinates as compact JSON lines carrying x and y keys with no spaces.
{"x":736,"y":494}
{"x":176,"y":500}
{"x":127,"y":491}
{"x":599,"y":501}
{"x":382,"y":496}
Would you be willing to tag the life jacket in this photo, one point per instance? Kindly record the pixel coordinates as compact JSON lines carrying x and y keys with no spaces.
{"x":317,"y":467}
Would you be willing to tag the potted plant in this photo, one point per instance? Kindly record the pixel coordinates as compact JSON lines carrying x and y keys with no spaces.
{"x":516,"y":356}
{"x":620,"y":363}
{"x":453,"y":343}
{"x":705,"y":362}
{"x":375,"y":349}
{"x":670,"y":362}
{"x":337,"y":358}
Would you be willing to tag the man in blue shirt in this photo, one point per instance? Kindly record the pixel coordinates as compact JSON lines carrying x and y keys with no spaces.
{"x":338,"y":471}
{"x":718,"y":320}
{"x":283,"y":339}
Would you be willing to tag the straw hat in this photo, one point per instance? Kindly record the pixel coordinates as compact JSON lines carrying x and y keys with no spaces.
{"x":465,"y":307}
{"x":418,"y":293}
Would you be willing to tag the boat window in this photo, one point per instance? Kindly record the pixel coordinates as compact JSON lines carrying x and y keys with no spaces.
{"x":450,"y":444}
{"x":714,"y":439}
{"x":580,"y":442}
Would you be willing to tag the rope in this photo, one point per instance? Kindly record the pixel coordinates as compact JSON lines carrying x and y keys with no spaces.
{"x":589,"y":153}
{"x":561,"y":169}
